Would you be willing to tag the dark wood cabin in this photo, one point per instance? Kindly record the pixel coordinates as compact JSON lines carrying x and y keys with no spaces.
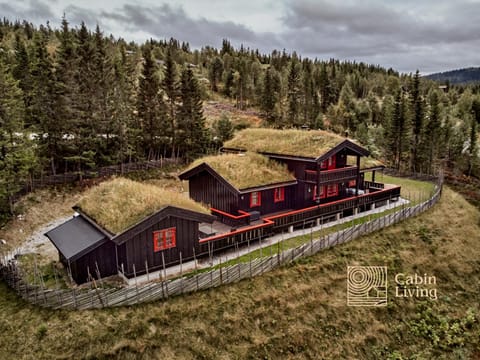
{"x":87,"y":250}
{"x":327,"y":167}
{"x":233,"y":203}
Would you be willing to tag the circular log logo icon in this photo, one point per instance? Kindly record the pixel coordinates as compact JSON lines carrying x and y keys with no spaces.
{"x":367,"y":286}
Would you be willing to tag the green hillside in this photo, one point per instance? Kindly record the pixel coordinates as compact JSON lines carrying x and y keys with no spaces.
{"x":296,"y":312}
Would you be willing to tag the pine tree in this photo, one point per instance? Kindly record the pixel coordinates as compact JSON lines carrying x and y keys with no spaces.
{"x":16,"y":154}
{"x":417,"y":124}
{"x":269,"y":97}
{"x":397,"y":130}
{"x":433,"y":128}
{"x":50,"y":132}
{"x":150,"y":107}
{"x":293,"y":96}
{"x":170,"y":87}
{"x":215,"y":73}
{"x":21,"y":73}
{"x":66,"y":90}
{"x":192,"y":135}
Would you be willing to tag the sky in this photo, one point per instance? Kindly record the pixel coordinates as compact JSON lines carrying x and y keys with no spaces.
{"x":406,"y":35}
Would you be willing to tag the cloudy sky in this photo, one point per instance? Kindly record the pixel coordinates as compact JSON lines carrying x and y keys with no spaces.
{"x":429,"y":35}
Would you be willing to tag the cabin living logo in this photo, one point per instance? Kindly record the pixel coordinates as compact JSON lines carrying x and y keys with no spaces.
{"x":368,"y":285}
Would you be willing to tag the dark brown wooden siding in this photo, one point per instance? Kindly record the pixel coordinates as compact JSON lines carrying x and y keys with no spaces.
{"x":206,"y":189}
{"x":268,"y":205}
{"x":139,"y":248}
{"x":105,"y":258}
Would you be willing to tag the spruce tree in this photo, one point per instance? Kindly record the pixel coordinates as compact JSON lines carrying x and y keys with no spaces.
{"x":417,"y":123}
{"x":16,"y":154}
{"x":215,"y":73}
{"x":192,"y":134}
{"x":50,"y":132}
{"x":170,"y":87}
{"x":293,"y":96}
{"x":150,"y":107}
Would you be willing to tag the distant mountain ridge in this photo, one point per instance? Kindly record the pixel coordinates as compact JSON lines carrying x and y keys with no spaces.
{"x":459,"y":76}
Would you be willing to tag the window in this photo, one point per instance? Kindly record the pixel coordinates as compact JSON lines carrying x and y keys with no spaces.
{"x":255,"y":198}
{"x":331,"y":162}
{"x":321,"y":195}
{"x":279,"y":194}
{"x":164,"y":239}
{"x":332,"y":190}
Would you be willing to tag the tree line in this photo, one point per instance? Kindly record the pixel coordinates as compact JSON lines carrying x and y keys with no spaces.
{"x":74,"y":99}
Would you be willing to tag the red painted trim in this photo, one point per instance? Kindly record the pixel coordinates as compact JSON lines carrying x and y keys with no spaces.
{"x":269,"y":220}
{"x":233,"y":217}
{"x":160,"y":239}
{"x":279,"y":194}
{"x":259,"y":199}
{"x":332,"y":162}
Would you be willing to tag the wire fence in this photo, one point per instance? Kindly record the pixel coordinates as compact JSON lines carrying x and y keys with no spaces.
{"x":100,"y":296}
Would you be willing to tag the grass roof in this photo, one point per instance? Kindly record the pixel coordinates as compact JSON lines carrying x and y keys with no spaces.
{"x":311,"y":143}
{"x":365,"y":162}
{"x":246,"y":170}
{"x":120,"y":203}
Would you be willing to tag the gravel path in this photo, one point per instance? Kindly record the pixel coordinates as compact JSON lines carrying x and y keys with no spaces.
{"x":40,"y":244}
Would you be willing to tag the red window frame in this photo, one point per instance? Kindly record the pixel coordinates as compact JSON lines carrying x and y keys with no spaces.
{"x":332,"y":161}
{"x":255,"y":199}
{"x":332,"y":190}
{"x":164,"y":239}
{"x":279,"y":194}
{"x":322,"y":193}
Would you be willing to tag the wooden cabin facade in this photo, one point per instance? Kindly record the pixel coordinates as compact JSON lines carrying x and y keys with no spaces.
{"x":256,"y":188}
{"x":89,"y":251}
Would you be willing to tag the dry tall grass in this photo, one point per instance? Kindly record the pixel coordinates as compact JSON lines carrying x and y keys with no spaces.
{"x":120,"y":203}
{"x":246,"y":170}
{"x":296,"y":312}
{"x":312,"y":143}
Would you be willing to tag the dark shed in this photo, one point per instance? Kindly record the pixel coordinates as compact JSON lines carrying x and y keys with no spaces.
{"x":83,"y":249}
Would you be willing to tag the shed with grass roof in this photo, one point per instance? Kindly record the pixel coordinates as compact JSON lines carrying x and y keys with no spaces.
{"x":124,"y":227}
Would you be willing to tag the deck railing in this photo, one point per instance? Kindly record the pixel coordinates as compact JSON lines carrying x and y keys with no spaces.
{"x":301,"y":216}
{"x":334,"y":175}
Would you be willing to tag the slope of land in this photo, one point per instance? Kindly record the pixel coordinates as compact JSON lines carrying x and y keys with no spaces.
{"x":296,"y":312}
{"x":459,"y":76}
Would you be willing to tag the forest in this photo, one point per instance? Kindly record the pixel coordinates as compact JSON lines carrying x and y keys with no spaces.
{"x":73,"y":99}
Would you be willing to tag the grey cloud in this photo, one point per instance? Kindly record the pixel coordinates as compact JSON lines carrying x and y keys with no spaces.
{"x":32,"y":11}
{"x":402,"y":34}
{"x":76,"y":15}
{"x":167,"y":21}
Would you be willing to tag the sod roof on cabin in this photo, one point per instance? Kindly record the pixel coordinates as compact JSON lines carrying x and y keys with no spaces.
{"x":121,"y":203}
{"x":311,"y":143}
{"x":365,"y":162}
{"x":246,"y":170}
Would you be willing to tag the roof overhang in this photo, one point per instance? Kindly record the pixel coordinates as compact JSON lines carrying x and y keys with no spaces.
{"x":76,"y":237}
{"x":348,"y":145}
{"x":159,"y":216}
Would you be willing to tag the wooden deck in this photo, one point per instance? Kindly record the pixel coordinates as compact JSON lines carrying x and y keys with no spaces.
{"x":223,"y":236}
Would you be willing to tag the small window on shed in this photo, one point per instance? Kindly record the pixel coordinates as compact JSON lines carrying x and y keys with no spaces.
{"x":164,"y":239}
{"x":279,"y":194}
{"x":255,"y":198}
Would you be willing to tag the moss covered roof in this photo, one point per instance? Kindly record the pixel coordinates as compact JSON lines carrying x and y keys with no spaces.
{"x":246,"y":170}
{"x":120,"y":203}
{"x":311,"y":143}
{"x":365,"y":162}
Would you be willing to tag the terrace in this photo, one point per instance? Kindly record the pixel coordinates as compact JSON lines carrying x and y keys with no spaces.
{"x":219,"y":236}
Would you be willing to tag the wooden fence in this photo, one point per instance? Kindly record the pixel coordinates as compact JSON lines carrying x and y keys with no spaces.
{"x":70,"y":177}
{"x":98,"y":296}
